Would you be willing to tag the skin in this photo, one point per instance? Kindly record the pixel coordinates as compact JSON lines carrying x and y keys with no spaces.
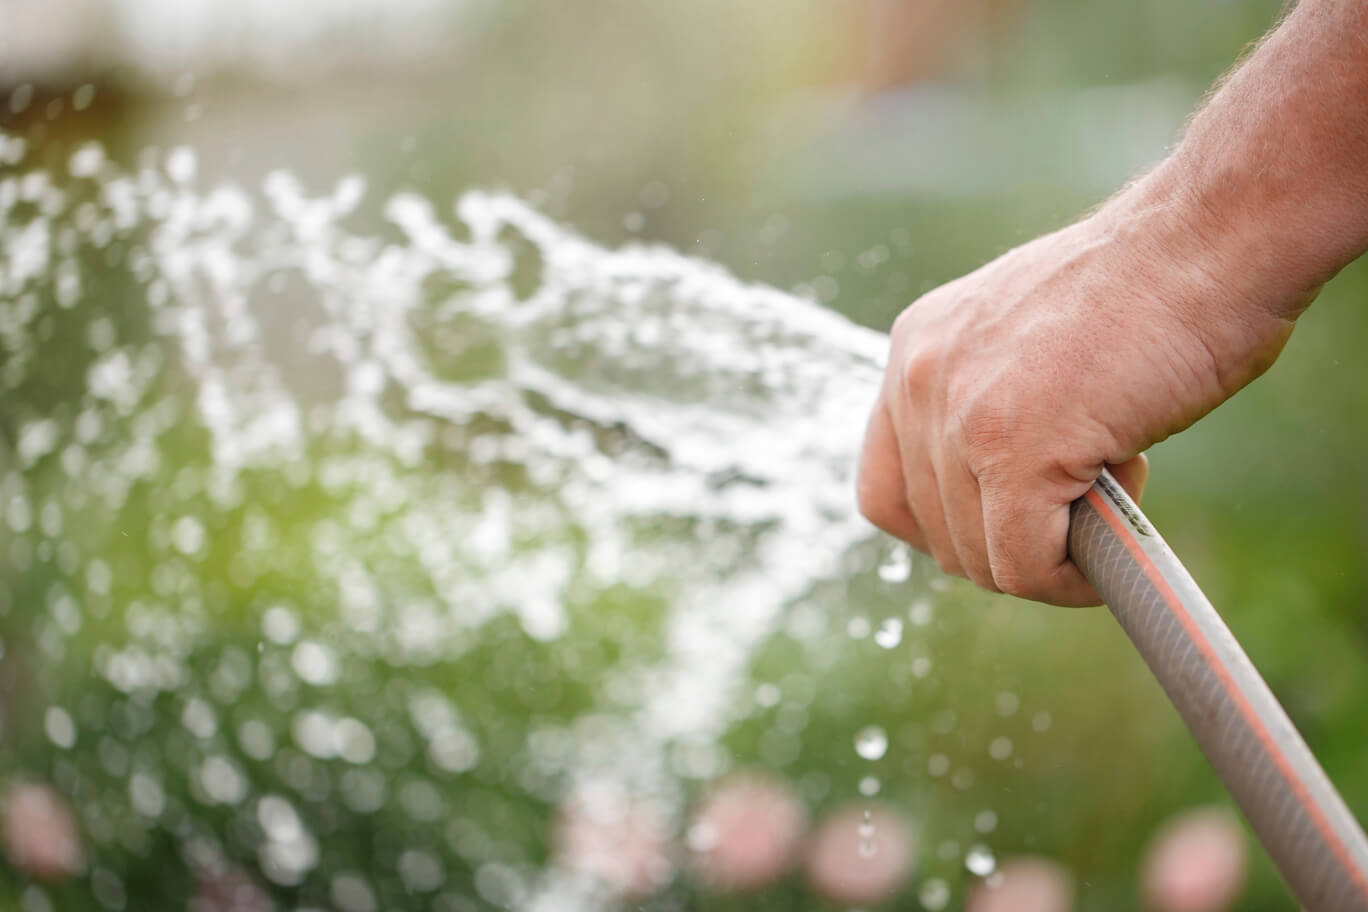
{"x":1008,"y":390}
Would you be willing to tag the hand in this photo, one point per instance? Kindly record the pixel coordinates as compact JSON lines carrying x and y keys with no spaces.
{"x":1008,"y":390}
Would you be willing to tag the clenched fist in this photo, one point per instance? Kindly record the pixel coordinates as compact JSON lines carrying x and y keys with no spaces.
{"x":1007,"y":391}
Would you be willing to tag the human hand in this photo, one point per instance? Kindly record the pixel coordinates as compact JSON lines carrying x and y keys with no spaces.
{"x":1007,"y":391}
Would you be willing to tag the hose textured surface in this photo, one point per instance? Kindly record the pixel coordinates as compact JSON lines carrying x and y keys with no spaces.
{"x":1272,"y":775}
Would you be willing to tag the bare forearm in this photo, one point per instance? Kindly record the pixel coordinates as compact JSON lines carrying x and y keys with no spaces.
{"x":1272,"y":175}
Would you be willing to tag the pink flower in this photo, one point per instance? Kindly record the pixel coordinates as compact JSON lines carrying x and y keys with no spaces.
{"x":747,"y":832}
{"x":1024,"y":885}
{"x":40,"y":835}
{"x":1196,"y":863}
{"x":853,"y":858}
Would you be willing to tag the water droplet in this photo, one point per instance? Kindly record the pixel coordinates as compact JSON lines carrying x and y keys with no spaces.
{"x":897,"y":568}
{"x":869,"y":786}
{"x":351,"y":893}
{"x":889,"y":633}
{"x":221,"y":781}
{"x":701,"y":837}
{"x":60,"y":727}
{"x":1000,"y":748}
{"x":920,"y":612}
{"x":181,"y":164}
{"x":985,"y":821}
{"x":188,"y":535}
{"x":280,"y":624}
{"x":256,"y":739}
{"x":858,"y":628}
{"x":768,"y":695}
{"x":979,"y":860}
{"x":1041,"y":722}
{"x":1007,"y":703}
{"x":315,"y":663}
{"x":934,"y":894}
{"x":871,"y":743}
{"x":354,"y":741}
{"x":146,"y":795}
{"x":87,"y":160}
{"x":421,"y":871}
{"x":199,"y":719}
{"x":866,"y":830}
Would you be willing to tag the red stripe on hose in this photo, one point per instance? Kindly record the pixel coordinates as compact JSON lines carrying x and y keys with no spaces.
{"x":1213,"y":661}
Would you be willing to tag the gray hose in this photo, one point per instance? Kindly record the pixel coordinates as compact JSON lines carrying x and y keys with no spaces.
{"x":1272,"y":775}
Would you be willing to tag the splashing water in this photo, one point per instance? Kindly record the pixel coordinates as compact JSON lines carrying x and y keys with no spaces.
{"x":342,"y":486}
{"x":897,"y":568}
{"x":934,"y":894}
{"x":866,"y":832}
{"x":979,"y":860}
{"x":297,"y":453}
{"x":890,"y":633}
{"x":871,"y":742}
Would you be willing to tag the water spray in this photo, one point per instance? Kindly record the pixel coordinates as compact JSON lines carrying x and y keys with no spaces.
{"x":1270,"y":772}
{"x":727,"y":432}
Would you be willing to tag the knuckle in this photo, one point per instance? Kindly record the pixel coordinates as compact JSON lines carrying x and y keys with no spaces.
{"x":902,"y":324}
{"x":916,"y":370}
{"x":983,"y":578}
{"x":874,"y":503}
{"x":1011,"y":558}
{"x":913,"y":317}
{"x":947,"y":560}
{"x":1012,"y":581}
{"x":987,"y":436}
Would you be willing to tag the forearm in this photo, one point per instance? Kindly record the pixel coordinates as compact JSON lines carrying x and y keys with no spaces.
{"x":1271,"y":178}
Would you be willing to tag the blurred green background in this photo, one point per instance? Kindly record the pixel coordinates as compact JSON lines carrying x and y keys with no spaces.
{"x":857,"y":153}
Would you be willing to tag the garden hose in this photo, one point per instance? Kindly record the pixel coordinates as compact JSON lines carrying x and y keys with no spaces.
{"x":1289,"y":801}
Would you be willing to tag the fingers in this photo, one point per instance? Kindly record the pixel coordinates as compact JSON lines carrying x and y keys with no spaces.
{"x":925,"y":502}
{"x":906,"y":498}
{"x":1026,"y":533}
{"x":881,"y":492}
{"x":1026,"y":536}
{"x":1007,"y":535}
{"x":902,"y":498}
{"x":922,"y":492}
{"x":962,"y":503}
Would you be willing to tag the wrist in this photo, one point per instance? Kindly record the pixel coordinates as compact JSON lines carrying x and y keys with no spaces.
{"x":1204,"y":271}
{"x":1238,"y":249}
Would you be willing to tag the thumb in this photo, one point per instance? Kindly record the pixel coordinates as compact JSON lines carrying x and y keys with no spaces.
{"x":1132,"y":475}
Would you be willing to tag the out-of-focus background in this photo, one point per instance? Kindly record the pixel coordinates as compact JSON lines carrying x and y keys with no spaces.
{"x":278,"y":631}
